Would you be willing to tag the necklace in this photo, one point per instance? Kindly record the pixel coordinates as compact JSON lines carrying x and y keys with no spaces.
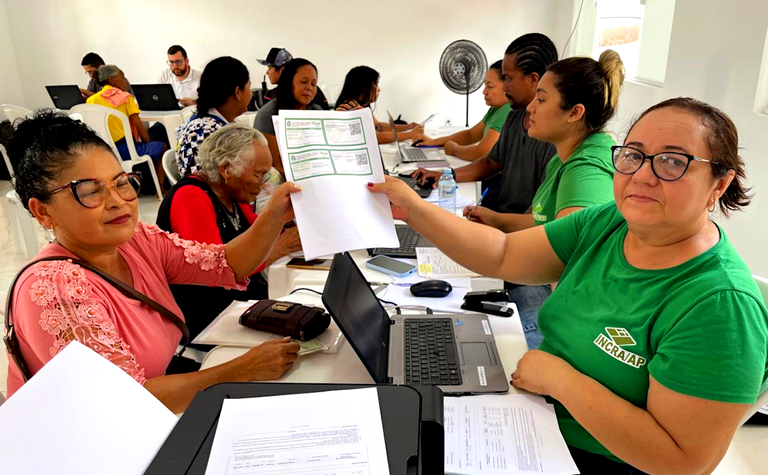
{"x":234,"y":217}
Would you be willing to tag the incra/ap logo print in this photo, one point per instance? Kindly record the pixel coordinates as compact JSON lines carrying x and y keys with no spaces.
{"x":613,"y":345}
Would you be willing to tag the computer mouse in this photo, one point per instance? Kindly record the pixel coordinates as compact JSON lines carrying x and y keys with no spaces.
{"x":428,"y":184}
{"x":431,"y":288}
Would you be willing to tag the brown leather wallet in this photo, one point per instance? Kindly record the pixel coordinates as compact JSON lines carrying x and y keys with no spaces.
{"x":286,"y":318}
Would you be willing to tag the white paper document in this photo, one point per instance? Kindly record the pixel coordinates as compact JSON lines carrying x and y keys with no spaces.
{"x":509,"y":434}
{"x":81,"y":414}
{"x":332,"y":156}
{"x":334,"y":433}
{"x":433,"y":263}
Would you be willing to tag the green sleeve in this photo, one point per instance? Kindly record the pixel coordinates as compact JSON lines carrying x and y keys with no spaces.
{"x":716,"y":350}
{"x":584,"y":184}
{"x":497,"y":121}
{"x":563,"y":234}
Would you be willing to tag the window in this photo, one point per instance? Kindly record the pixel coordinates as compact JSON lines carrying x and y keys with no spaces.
{"x":639,"y":30}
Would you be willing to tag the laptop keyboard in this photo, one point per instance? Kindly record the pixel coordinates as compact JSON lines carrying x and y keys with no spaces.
{"x":430,"y":352}
{"x":408,"y":238}
{"x":415,"y":155}
{"x":411,"y":181}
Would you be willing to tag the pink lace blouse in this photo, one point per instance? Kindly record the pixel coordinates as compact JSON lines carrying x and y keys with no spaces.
{"x":55,"y":302}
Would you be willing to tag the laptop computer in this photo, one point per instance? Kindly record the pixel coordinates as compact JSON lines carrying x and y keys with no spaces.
{"x":409,"y":240}
{"x":408,"y":154}
{"x":155,"y":97}
{"x":456,"y":353}
{"x":65,"y":97}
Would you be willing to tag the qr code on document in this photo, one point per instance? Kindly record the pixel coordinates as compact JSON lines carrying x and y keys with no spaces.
{"x":355,"y":128}
{"x":362,"y":159}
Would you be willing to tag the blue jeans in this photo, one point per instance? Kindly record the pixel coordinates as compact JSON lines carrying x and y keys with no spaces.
{"x":153,"y":149}
{"x":529,"y":299}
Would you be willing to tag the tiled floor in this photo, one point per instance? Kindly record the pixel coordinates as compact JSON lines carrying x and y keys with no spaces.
{"x":11,"y":260}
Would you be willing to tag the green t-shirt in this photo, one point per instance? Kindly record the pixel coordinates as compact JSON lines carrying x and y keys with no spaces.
{"x":586,"y":179}
{"x":699,"y":328}
{"x":495,"y":117}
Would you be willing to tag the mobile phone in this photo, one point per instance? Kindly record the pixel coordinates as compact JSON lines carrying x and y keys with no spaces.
{"x":390,"y":266}
{"x":316,"y":264}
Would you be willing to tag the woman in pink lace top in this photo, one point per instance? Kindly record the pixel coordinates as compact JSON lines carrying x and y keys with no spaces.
{"x":71,"y":182}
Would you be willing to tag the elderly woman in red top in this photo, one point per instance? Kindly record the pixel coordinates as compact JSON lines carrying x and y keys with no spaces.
{"x":213,"y":206}
{"x":71,"y":182}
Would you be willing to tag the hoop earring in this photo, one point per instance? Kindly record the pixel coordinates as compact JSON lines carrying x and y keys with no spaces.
{"x":712,"y":207}
{"x":50,"y":234}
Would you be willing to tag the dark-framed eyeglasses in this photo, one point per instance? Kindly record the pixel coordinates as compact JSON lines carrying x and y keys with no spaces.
{"x":177,"y":62}
{"x":667,"y":166}
{"x":93,"y":192}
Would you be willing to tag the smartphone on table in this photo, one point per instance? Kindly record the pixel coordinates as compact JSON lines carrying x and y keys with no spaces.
{"x":390,"y":266}
{"x":316,"y":264}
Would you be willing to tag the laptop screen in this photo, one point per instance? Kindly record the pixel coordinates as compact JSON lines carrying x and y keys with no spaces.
{"x":352,"y":304}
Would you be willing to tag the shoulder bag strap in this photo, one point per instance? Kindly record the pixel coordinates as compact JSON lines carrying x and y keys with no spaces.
{"x":13,"y":344}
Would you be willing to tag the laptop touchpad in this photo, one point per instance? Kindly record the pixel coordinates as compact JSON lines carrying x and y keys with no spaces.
{"x":475,"y":354}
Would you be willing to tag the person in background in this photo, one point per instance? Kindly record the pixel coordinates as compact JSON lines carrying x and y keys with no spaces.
{"x":91,"y":63}
{"x":224,"y":94}
{"x":276,"y":60}
{"x":655,"y":340}
{"x":213,"y":206}
{"x":183,"y":77}
{"x":296,"y":90}
{"x":69,"y":179}
{"x":575,"y":99}
{"x":114,"y":94}
{"x":361,"y":88}
{"x":479,"y":140}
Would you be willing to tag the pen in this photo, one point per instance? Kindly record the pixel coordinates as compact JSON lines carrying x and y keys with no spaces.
{"x":428,"y":146}
{"x":482,"y":196}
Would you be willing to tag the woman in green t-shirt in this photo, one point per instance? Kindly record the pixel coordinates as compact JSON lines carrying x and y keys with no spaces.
{"x":574,"y":100}
{"x":656,"y":338}
{"x":476,"y":142}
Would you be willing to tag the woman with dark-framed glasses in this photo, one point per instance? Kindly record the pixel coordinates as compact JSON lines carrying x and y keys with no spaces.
{"x":213,"y":206}
{"x":69,"y":179}
{"x":655,"y":339}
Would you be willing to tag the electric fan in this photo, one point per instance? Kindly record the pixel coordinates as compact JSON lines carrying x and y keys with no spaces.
{"x":462,"y":68}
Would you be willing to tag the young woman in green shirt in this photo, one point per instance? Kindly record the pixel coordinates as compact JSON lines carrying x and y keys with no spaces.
{"x":574,"y":100}
{"x":476,"y":142}
{"x":656,"y":338}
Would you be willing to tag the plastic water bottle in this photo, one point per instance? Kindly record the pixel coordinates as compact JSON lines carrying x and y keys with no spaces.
{"x":446,"y":189}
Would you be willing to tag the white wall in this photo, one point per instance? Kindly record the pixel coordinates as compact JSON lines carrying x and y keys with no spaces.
{"x":715,"y":55}
{"x":401,"y":39}
{"x":10,"y":83}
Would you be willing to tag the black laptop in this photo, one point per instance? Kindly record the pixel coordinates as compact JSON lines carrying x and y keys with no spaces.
{"x":65,"y":97}
{"x":456,"y":353}
{"x":155,"y":97}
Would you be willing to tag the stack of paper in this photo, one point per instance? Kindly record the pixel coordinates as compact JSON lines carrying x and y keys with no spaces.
{"x":505,"y":434}
{"x":433,"y":263}
{"x":332,"y":156}
{"x":333,"y":432}
{"x":81,"y":414}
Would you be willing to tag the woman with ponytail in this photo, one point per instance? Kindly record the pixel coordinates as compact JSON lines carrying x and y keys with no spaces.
{"x":574,"y":100}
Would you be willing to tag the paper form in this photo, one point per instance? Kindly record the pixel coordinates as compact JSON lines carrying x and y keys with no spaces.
{"x":510,"y":434}
{"x":81,"y":414}
{"x":332,"y":156}
{"x":433,"y":263}
{"x":326,"y":433}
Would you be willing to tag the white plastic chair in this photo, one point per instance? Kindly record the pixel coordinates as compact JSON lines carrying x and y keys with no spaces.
{"x":97,"y":117}
{"x":245,"y":120}
{"x":762,"y":400}
{"x":171,"y":167}
{"x":12,"y":112}
{"x":187,"y":112}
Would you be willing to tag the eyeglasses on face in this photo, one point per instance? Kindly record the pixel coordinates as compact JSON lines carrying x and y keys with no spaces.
{"x":93,"y":192}
{"x":177,"y":62}
{"x":667,"y":166}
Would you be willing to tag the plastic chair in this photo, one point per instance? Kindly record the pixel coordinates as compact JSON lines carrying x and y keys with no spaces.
{"x":244,"y":120}
{"x":187,"y":112}
{"x":23,"y":226}
{"x":97,"y":117}
{"x":171,"y":167}
{"x":762,"y":400}
{"x":12,"y":113}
